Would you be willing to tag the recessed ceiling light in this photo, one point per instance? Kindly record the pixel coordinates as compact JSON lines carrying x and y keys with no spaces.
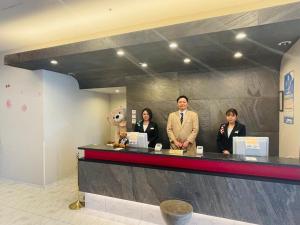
{"x":54,"y":62}
{"x":284,"y":43}
{"x":173,"y":45}
{"x":186,"y":60}
{"x":144,"y":65}
{"x":120,"y":52}
{"x":117,"y":90}
{"x":240,"y":36}
{"x":238,"y":55}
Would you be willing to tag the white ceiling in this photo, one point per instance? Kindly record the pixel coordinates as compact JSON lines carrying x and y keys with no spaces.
{"x":31,"y":24}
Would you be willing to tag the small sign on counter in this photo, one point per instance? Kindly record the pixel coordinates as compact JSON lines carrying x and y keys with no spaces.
{"x":176,"y":151}
{"x":248,"y":158}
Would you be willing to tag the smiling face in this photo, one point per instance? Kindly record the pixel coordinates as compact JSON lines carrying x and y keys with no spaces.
{"x":231,"y":118}
{"x":182,"y":104}
{"x":146,"y":116}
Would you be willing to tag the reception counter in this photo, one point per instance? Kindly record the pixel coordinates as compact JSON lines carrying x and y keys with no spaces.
{"x":261,"y":190}
{"x":264,"y":167}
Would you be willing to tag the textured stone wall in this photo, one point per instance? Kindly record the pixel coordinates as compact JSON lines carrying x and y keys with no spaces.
{"x":255,"y":201}
{"x":253,"y":92}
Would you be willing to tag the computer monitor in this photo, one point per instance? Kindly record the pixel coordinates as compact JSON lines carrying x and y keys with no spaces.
{"x":136,"y":139}
{"x":254,"y":146}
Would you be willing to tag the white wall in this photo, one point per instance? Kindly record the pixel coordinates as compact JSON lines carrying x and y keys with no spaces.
{"x":289,"y":135}
{"x":44,"y":117}
{"x":21,"y":124}
{"x":72,"y":118}
{"x":116,"y":100}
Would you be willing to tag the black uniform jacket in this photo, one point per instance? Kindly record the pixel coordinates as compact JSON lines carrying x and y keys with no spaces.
{"x":223,"y":141}
{"x":152,"y":132}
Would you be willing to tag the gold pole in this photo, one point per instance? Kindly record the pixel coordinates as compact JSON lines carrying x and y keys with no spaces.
{"x":77,"y":204}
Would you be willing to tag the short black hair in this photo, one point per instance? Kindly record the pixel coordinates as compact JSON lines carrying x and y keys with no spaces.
{"x":231,"y":110}
{"x":148,"y":111}
{"x":183,"y":96}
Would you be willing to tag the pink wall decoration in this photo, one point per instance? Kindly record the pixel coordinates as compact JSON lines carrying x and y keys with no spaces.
{"x":24,"y":108}
{"x":8,"y":104}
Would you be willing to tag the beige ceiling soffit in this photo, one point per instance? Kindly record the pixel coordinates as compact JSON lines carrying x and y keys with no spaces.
{"x":174,"y":19}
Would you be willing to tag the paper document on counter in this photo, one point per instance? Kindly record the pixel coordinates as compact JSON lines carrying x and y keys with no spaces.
{"x":248,"y":158}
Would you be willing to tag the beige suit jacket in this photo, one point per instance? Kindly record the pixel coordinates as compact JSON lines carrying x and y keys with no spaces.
{"x":188,"y":130}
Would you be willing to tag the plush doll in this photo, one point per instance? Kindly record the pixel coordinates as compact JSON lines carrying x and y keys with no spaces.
{"x":117,"y":118}
{"x":123,"y":141}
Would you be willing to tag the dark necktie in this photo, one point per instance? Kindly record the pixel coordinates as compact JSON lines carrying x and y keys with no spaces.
{"x":181,"y":118}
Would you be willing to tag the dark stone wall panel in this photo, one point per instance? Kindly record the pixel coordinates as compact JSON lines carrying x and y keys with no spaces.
{"x":258,"y":114}
{"x":255,"y":201}
{"x":253,"y":92}
{"x":152,"y":87}
{"x":257,"y":82}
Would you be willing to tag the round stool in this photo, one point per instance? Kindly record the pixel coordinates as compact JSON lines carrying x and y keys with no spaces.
{"x":176,"y":212}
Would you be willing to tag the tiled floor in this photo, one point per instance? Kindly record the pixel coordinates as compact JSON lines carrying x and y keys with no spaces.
{"x":25,"y":204}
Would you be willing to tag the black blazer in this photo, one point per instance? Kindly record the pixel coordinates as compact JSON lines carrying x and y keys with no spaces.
{"x":152,"y":132}
{"x":223,"y":141}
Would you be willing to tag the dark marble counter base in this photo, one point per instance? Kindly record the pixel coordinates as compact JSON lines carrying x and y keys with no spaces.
{"x":239,"y":199}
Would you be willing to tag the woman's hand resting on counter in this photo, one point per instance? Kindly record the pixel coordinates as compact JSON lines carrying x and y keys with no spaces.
{"x":226,"y":152}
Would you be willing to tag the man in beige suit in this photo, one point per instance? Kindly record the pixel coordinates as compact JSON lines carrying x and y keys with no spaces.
{"x":182,"y":127}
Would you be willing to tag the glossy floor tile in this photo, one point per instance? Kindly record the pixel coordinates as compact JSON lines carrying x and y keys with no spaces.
{"x":26,"y":204}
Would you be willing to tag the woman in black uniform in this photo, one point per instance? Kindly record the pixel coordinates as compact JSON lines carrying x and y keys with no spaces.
{"x":147,"y":126}
{"x":228,"y":130}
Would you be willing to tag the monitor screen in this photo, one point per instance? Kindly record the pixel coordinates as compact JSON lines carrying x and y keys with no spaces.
{"x":138,"y":139}
{"x":142,"y":140}
{"x":255,"y":146}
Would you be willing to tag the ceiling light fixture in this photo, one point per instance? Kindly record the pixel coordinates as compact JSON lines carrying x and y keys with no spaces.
{"x":240,"y":36}
{"x":53,"y":62}
{"x":117,"y":90}
{"x":238,"y":55}
{"x":120,"y":52}
{"x":173,"y":45}
{"x":284,"y":43}
{"x":144,"y":65}
{"x":186,"y":60}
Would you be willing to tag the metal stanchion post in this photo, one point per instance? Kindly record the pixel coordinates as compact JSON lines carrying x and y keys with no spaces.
{"x":77,"y":204}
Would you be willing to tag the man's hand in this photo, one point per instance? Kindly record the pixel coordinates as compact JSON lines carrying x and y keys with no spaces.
{"x":178,"y":144}
{"x":185,"y":144}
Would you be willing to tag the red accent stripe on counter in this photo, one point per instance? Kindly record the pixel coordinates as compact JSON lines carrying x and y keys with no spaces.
{"x":216,"y":166}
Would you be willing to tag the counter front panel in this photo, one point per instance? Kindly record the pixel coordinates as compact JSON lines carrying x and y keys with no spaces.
{"x":265,"y":167}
